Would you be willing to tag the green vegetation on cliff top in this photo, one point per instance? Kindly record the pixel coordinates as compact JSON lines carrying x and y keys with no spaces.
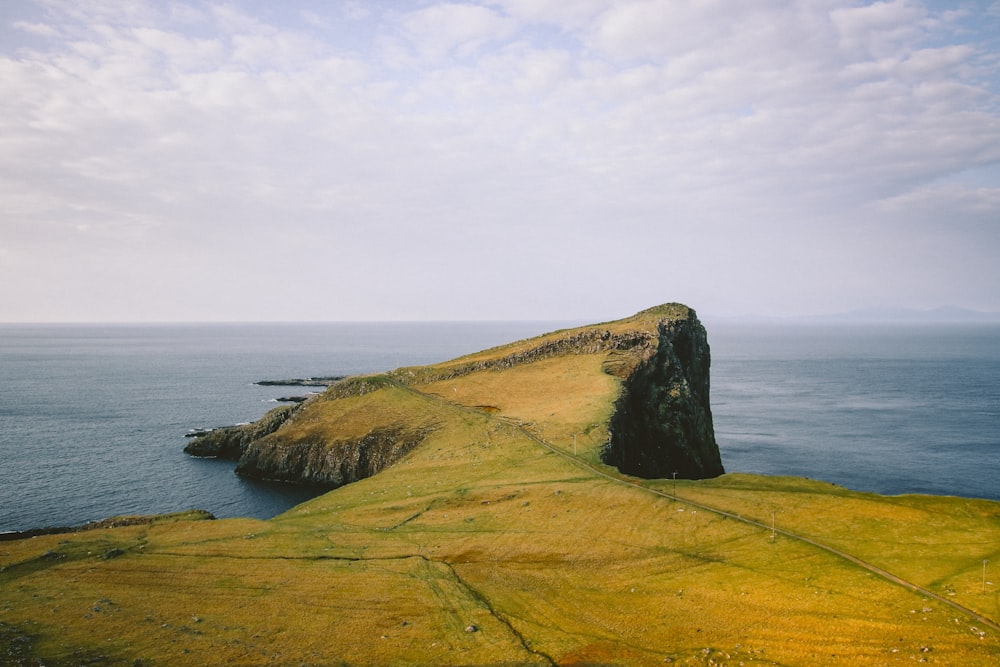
{"x":501,"y":539}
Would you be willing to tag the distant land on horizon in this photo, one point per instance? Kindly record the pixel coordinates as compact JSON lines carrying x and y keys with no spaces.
{"x":889,"y":315}
{"x":941,"y":314}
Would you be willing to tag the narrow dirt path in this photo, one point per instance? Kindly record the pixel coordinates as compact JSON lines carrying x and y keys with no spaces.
{"x":621,"y":479}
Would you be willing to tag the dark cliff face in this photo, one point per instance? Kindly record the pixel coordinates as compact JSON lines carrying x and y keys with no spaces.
{"x":263,"y":452}
{"x":231,"y":441}
{"x":328,"y":464}
{"x":662,"y":423}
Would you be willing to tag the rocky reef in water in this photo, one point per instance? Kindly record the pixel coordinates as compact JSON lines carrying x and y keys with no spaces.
{"x":323,"y":381}
{"x":661,"y":422}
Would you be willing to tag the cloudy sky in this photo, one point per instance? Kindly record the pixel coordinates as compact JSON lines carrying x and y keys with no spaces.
{"x":190,"y":160}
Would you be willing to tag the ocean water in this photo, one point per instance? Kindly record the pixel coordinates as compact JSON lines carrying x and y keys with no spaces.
{"x":886,"y":408}
{"x":93,"y":417}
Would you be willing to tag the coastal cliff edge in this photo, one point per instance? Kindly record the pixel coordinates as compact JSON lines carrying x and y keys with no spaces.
{"x":660,"y":422}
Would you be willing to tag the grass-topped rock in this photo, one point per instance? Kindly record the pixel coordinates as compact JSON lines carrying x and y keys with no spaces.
{"x":661,"y":422}
{"x":497,"y":534}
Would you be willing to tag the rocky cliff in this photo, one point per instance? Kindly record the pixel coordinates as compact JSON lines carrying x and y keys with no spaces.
{"x":230,"y":442}
{"x":660,"y":424}
{"x":313,"y":447}
{"x":329,"y":463}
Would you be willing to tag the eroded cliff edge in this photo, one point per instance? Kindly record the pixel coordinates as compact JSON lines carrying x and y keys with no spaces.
{"x":660,"y":422}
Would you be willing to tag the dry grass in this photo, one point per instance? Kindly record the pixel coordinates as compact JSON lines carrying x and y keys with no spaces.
{"x":550,"y":561}
{"x":558,"y":399}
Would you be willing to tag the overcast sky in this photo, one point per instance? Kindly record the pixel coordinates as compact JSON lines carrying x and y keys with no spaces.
{"x":504,"y":159}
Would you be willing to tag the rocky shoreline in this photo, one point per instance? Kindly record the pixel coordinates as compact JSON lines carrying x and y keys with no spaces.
{"x":229,"y":442}
{"x":112,"y":522}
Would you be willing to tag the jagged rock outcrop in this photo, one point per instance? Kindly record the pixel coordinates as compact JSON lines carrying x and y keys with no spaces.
{"x":662,"y":423}
{"x":229,"y":442}
{"x":328,"y":463}
{"x":588,"y":341}
{"x":312,"y":456}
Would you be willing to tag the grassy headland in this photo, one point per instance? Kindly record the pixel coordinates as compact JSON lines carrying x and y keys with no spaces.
{"x":501,"y":539}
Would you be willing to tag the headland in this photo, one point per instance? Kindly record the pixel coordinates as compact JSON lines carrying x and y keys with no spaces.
{"x":519,"y":506}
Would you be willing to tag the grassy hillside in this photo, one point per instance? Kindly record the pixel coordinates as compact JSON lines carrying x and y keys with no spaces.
{"x":502,"y":540}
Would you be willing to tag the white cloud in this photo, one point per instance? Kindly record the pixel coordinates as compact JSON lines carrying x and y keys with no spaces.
{"x":936,"y":62}
{"x":706,"y":149}
{"x":654,"y":29}
{"x":977,"y":204}
{"x":356,"y":10}
{"x":40,"y":29}
{"x":315,"y":20}
{"x":878,"y":28}
{"x":185,"y":14}
{"x":567,"y":16}
{"x":182,"y":52}
{"x":462,"y":30}
{"x":88,"y":13}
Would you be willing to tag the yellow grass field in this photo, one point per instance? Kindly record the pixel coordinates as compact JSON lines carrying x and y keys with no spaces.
{"x":502,"y":540}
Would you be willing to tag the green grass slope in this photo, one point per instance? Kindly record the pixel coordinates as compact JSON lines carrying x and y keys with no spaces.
{"x":502,"y":540}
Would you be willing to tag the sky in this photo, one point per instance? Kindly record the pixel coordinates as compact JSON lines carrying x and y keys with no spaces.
{"x":310,"y":160}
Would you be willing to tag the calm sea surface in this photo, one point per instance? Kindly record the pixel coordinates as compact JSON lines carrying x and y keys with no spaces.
{"x":92,"y":418}
{"x":892,"y":409}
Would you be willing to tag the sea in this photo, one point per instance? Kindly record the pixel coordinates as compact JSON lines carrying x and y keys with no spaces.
{"x":93,"y":418}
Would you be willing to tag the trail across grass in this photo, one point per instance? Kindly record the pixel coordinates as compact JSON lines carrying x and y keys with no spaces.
{"x":620,"y":479}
